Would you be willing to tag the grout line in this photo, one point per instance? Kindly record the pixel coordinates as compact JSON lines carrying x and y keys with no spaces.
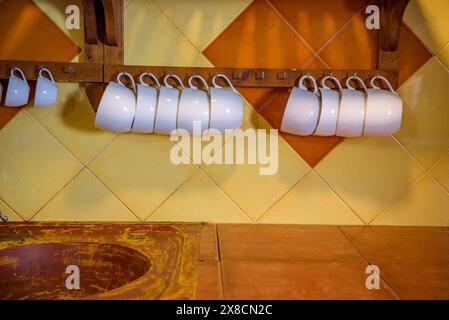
{"x":338,"y":196}
{"x":170,"y":195}
{"x":57,"y":192}
{"x":226,"y":195}
{"x":401,"y":194}
{"x":13,"y":210}
{"x":181,"y":32}
{"x":388,"y":286}
{"x":53,"y":136}
{"x":409,"y":154}
{"x":220,"y":268}
{"x":113,"y":193}
{"x":291,"y":27}
{"x":282,"y":196}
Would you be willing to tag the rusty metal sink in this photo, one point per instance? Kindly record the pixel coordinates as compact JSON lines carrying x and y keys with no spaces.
{"x":116,"y":261}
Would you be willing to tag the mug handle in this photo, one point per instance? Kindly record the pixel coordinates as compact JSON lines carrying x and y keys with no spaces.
{"x":354,"y":77}
{"x":224,"y":77}
{"x":18,"y":70}
{"x":191,"y":85}
{"x":312,"y":79}
{"x":149,"y":75}
{"x":385,"y":80}
{"x":325,"y":86}
{"x":174,"y":76}
{"x":130,"y":77}
{"x":42,"y":70}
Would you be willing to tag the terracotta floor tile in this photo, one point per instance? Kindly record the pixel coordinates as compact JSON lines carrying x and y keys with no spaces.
{"x":258,"y":37}
{"x":401,"y":245}
{"x":283,"y":242}
{"x":298,"y":280}
{"x":209,"y":281}
{"x":317,"y":21}
{"x":412,"y":54}
{"x":208,"y":244}
{"x":354,"y":48}
{"x":411,"y":281}
{"x":311,"y":148}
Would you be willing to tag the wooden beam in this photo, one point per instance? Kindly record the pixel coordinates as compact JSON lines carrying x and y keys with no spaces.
{"x":90,"y":22}
{"x":114,"y":54}
{"x":61,"y":71}
{"x":110,"y":15}
{"x":248,"y":77}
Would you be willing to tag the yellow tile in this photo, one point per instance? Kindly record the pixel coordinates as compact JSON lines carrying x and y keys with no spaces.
{"x":310,"y":202}
{"x":199,"y":199}
{"x":71,"y":120}
{"x":426,"y":204}
{"x":202,"y":20}
{"x":138,"y":170}
{"x":200,"y":60}
{"x":368,"y":173}
{"x":150,"y":39}
{"x":443,"y":55}
{"x":425,"y":129}
{"x":55,"y":10}
{"x":85,"y":199}
{"x":34,"y":166}
{"x":253,"y":192}
{"x":428,"y":19}
{"x":441,"y":172}
{"x":7,"y":211}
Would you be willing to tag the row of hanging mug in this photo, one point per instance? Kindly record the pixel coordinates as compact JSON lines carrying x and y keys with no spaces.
{"x":344,"y":112}
{"x":18,"y":90}
{"x":162,"y":109}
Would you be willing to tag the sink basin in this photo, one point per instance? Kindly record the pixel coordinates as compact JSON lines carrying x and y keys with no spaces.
{"x":115,"y":261}
{"x":37,"y":271}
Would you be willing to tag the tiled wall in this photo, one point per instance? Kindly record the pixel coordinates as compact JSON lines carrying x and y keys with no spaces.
{"x":54,"y":165}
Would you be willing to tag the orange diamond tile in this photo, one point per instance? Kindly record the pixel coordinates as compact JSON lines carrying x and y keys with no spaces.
{"x":355,"y":47}
{"x":312,"y":148}
{"x":318,"y":20}
{"x":28,"y":34}
{"x":412,"y":54}
{"x":258,"y":37}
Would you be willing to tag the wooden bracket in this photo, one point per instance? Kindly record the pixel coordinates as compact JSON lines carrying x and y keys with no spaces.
{"x":392,"y":12}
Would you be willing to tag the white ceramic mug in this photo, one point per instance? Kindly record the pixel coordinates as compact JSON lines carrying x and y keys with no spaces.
{"x":146,"y":105}
{"x":383,"y":110}
{"x":46,"y":89}
{"x":18,"y":90}
{"x":117,"y":106}
{"x":330,"y":105}
{"x":351,"y":117}
{"x":302,"y":110}
{"x":226,"y":111}
{"x":194,"y":107}
{"x":167,"y":109}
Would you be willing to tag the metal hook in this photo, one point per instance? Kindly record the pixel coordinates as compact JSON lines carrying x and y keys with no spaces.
{"x":261,"y":75}
{"x":283,"y":75}
{"x":237,"y":76}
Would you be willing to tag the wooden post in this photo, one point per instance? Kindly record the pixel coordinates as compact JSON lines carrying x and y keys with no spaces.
{"x":391,"y":15}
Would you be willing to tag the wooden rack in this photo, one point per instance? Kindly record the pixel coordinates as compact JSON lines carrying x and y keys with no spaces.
{"x":103,"y":28}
